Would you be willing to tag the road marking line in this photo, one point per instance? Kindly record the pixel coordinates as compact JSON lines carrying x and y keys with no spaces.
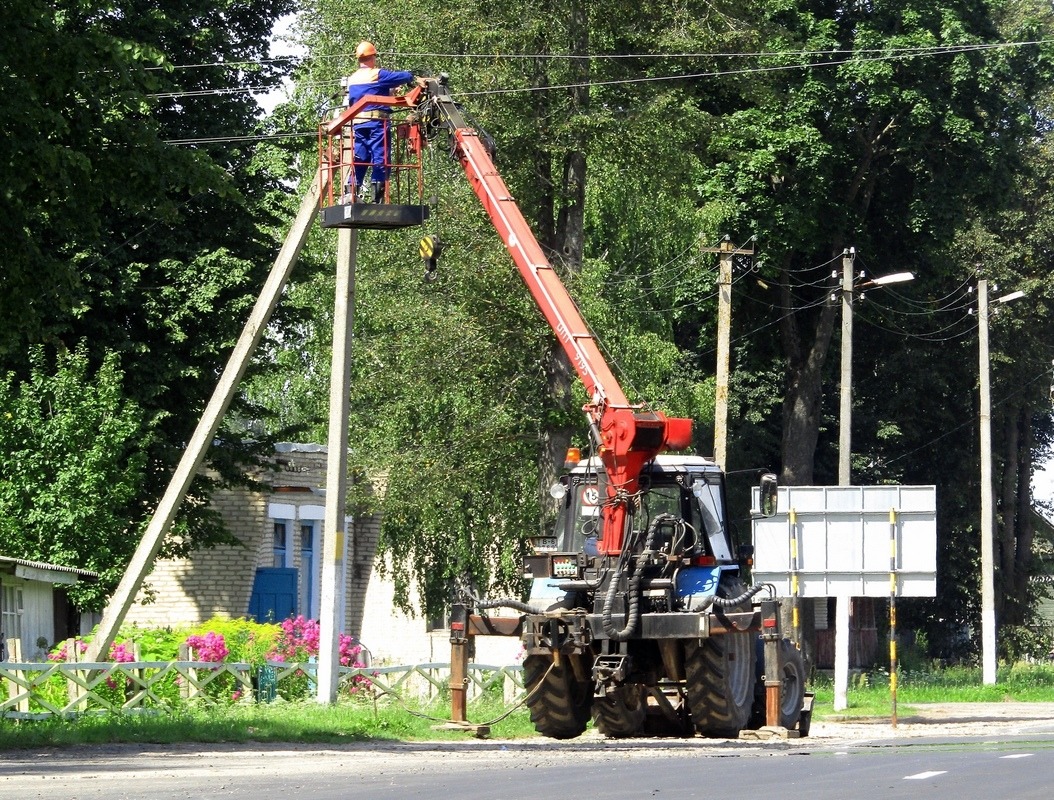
{"x":1018,"y":755}
{"x":921,"y":776}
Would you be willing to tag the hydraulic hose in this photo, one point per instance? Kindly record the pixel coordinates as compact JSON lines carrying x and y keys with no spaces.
{"x":506,"y":602}
{"x":633,"y":590}
{"x":731,"y":602}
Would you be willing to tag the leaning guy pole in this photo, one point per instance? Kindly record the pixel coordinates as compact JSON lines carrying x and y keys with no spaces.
{"x":149,"y":546}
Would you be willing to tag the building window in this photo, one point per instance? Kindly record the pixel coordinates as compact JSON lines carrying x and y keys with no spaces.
{"x":308,"y":604}
{"x":280,"y":546}
{"x":439,"y":621}
{"x":11,"y":618}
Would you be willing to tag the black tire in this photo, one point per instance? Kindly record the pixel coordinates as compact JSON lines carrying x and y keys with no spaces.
{"x":621,"y":712}
{"x":792,"y":691}
{"x":558,"y":703}
{"x":720,"y":677}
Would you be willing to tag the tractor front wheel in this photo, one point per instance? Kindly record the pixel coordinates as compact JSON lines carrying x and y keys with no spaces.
{"x":620,"y":713}
{"x":558,"y":703}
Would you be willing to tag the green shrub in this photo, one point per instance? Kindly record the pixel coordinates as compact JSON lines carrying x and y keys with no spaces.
{"x":248,"y":642}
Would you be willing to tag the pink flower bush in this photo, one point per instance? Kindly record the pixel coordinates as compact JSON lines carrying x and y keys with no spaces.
{"x":210,"y":647}
{"x":123,"y":652}
{"x":299,"y":641}
{"x":62,"y":654}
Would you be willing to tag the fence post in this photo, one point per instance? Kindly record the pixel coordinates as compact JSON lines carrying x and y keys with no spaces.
{"x":74,"y":690}
{"x":458,"y":662}
{"x":14,"y":689}
{"x":189,"y":688}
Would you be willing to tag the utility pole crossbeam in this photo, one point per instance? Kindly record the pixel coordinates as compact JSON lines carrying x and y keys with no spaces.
{"x":727,"y":251}
{"x":194,"y":455}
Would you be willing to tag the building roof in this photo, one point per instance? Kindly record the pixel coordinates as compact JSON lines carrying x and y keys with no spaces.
{"x":84,"y":573}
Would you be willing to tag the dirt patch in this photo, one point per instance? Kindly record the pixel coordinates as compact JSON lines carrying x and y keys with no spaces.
{"x":944,"y":719}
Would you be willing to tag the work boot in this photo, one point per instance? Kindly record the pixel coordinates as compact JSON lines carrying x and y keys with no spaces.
{"x":378,"y":192}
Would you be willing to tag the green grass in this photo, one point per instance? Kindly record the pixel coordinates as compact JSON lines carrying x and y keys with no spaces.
{"x":306,"y":722}
{"x":360,"y":721}
{"x":869,"y":694}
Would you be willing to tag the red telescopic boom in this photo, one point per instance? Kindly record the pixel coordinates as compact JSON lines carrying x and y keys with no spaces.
{"x":626,"y":436}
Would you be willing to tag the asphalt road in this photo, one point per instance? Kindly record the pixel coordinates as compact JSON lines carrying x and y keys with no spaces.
{"x":999,"y":750}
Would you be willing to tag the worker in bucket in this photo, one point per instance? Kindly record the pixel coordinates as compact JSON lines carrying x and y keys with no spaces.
{"x":371,"y":124}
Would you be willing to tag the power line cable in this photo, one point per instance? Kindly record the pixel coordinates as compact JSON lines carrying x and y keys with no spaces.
{"x":973,"y":421}
{"x":886,"y":54}
{"x":950,"y":49}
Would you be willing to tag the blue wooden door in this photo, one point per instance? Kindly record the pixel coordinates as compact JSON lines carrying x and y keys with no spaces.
{"x":274,"y":594}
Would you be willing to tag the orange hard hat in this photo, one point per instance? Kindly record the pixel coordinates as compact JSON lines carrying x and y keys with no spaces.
{"x":365,"y":50}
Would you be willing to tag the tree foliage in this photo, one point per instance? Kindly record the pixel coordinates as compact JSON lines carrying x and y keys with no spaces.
{"x":73,"y":467}
{"x":906,"y":132}
{"x":916,"y":133}
{"x":122,"y":241}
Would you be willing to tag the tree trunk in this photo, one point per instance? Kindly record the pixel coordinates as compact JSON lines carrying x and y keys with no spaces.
{"x":566,"y":242}
{"x":1015,"y":510}
{"x":804,"y":387}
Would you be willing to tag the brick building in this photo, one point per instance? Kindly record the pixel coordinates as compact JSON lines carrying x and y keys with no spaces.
{"x":276,"y":571}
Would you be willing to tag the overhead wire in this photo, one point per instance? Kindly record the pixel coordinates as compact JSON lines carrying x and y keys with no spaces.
{"x":975,"y":419}
{"x":872,"y":55}
{"x":883,"y":54}
{"x":934,"y":336}
{"x":350,"y":56}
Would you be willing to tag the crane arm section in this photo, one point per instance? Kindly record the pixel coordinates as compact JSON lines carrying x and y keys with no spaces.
{"x":626,"y":436}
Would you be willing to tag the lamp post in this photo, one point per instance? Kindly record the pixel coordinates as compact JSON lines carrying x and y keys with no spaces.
{"x":988,"y":633}
{"x":845,"y":412}
{"x":845,"y":416}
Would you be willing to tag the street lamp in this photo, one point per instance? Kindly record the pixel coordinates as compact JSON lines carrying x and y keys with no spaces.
{"x":988,"y":642}
{"x":845,"y":415}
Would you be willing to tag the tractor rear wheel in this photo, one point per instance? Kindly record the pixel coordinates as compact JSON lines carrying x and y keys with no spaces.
{"x":559,"y":704}
{"x":720,"y":677}
{"x":621,"y":712}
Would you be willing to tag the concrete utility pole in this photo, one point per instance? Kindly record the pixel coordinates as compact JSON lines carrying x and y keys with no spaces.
{"x":727,"y":251}
{"x":988,"y":625}
{"x":845,"y":425}
{"x":845,"y":455}
{"x":143,"y":558}
{"x":987,"y":519}
{"x":845,"y":406}
{"x":334,"y":544}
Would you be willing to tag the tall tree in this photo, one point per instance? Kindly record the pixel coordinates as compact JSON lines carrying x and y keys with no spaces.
{"x":72,"y":462}
{"x":880,"y":136}
{"x":133,"y":212}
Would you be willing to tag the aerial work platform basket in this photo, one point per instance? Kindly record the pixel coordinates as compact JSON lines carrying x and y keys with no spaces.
{"x":403,"y":193}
